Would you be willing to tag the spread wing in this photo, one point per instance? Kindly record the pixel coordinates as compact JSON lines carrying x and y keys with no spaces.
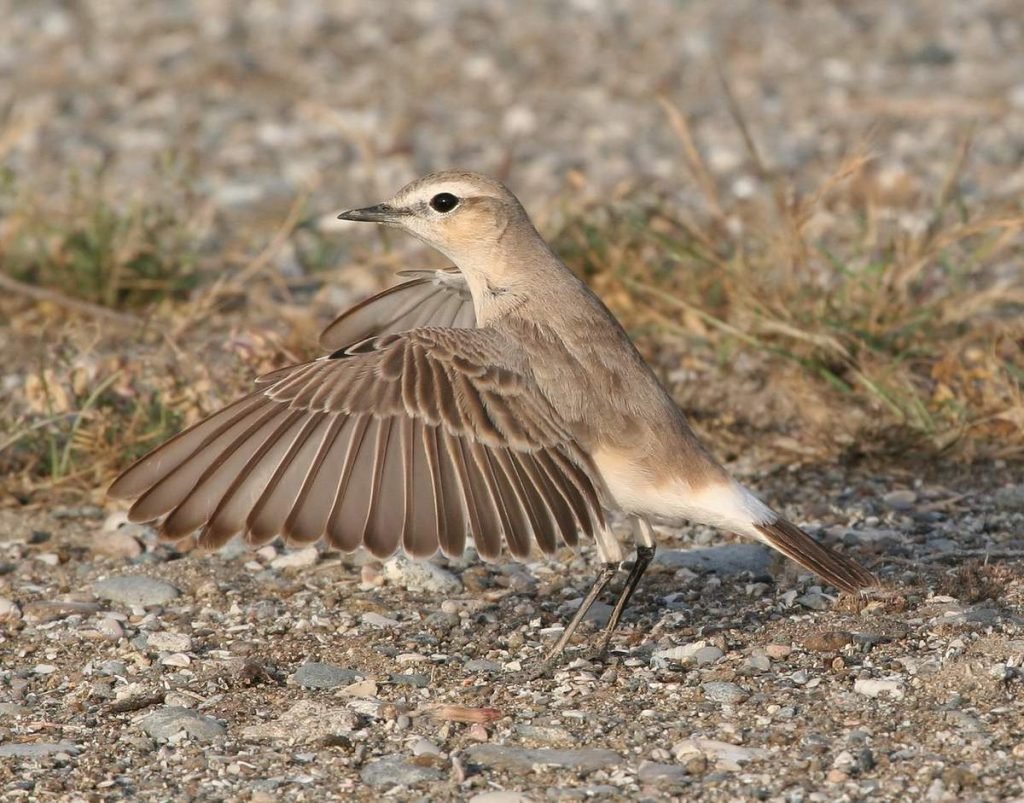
{"x":404,"y":441}
{"x":431,"y":298}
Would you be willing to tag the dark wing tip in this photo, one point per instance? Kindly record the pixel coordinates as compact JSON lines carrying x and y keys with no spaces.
{"x":834,"y":567}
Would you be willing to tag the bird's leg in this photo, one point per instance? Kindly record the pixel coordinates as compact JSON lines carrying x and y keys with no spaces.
{"x":608,"y":571}
{"x":610,"y":551}
{"x":645,"y":546}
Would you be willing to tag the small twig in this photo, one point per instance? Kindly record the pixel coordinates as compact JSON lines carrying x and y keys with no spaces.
{"x":46,"y":295}
{"x":240,"y":280}
{"x":736,"y":112}
{"x":697,"y":166}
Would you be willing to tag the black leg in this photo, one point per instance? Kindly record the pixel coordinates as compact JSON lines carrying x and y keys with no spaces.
{"x":607,"y":573}
{"x":644,"y":556}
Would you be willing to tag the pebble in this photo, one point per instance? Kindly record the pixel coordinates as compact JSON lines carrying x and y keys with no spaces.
{"x":814,"y":600}
{"x":135,"y":589}
{"x":683,"y":654}
{"x":721,"y":691}
{"x":873,"y":687}
{"x":903,"y":499}
{"x":524,"y":759}
{"x":844,"y":761}
{"x":115,"y":544}
{"x":425,"y":747}
{"x":651,"y":772}
{"x":164,"y":641}
{"x":37,"y":749}
{"x":778,"y":651}
{"x":9,"y":611}
{"x":759,"y":662}
{"x":297,"y":559}
{"x":708,"y":655}
{"x":501,"y":796}
{"x":481,"y":665}
{"x":873,"y":536}
{"x":314,"y":675}
{"x":421,"y":576}
{"x":727,"y":756}
{"x":169,"y":721}
{"x":305,"y":722}
{"x":110,"y":628}
{"x":378,"y":620}
{"x":396,"y":770}
{"x":178,"y":659}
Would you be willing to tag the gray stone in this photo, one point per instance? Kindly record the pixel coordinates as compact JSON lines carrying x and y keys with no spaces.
{"x":524,"y":759}
{"x":872,"y":536}
{"x":374,"y":619}
{"x":135,"y":589}
{"x":903,"y":499}
{"x":652,"y":772}
{"x":421,"y":576}
{"x":324,"y":676}
{"x":417,"y":680}
{"x":397,"y":771}
{"x":721,"y":691}
{"x":481,"y":665}
{"x":708,"y":655}
{"x":814,"y":601}
{"x":37,"y":749}
{"x":425,"y":747}
{"x":723,"y":560}
{"x":759,"y":662}
{"x":167,"y":722}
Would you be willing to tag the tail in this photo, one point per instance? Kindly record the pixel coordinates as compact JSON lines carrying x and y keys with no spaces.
{"x":828,"y":564}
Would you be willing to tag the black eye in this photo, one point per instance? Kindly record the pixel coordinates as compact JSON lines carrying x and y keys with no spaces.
{"x":443,"y":202}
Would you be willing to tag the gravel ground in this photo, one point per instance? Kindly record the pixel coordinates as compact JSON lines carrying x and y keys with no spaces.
{"x":128,"y":669}
{"x":132,"y":670}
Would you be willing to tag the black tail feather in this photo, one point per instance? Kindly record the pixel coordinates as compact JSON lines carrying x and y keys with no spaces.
{"x":837,"y":569}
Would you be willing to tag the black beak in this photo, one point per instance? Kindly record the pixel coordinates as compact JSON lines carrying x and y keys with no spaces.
{"x":381,"y":213}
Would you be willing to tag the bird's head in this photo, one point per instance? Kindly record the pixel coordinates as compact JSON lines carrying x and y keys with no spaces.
{"x":461,"y":214}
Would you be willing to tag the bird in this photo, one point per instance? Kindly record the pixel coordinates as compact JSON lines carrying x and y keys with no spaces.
{"x":497,"y":398}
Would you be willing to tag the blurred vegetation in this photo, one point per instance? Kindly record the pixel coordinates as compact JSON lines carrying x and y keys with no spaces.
{"x":889,"y":321}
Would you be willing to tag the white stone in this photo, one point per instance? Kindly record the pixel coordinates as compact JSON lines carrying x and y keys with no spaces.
{"x":873,"y":687}
{"x":299,"y":559}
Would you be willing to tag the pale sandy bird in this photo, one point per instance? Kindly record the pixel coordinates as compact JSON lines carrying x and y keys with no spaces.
{"x":498,"y":399}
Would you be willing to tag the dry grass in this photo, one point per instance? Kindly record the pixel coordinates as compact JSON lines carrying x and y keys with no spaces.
{"x":888,"y":315}
{"x":875,"y":315}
